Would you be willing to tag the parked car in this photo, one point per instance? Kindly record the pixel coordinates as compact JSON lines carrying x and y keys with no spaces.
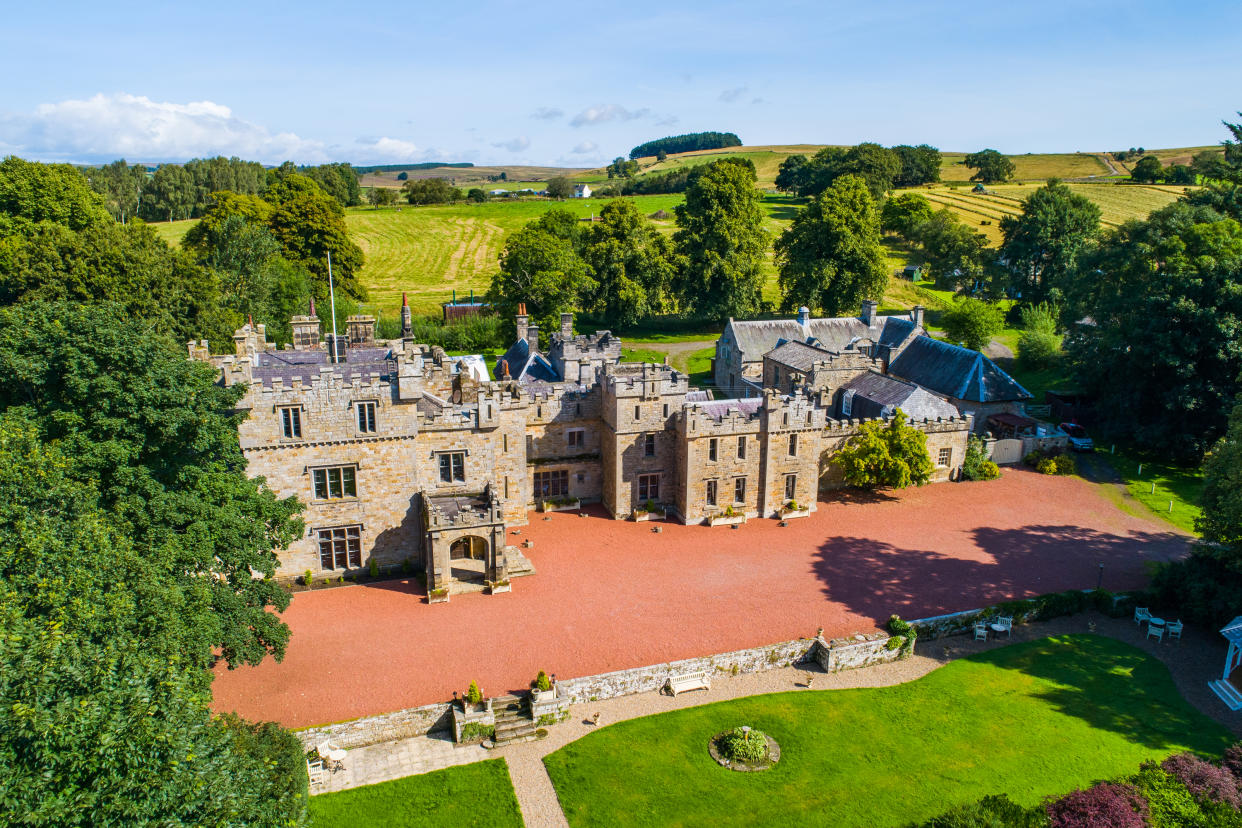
{"x":1079,"y":440}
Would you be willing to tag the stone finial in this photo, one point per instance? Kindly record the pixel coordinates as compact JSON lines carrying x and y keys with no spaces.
{"x":312,"y":313}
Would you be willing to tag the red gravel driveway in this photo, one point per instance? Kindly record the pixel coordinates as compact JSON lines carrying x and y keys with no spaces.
{"x":610,"y":595}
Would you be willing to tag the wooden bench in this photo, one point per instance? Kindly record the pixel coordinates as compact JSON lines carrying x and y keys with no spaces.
{"x":690,"y":681}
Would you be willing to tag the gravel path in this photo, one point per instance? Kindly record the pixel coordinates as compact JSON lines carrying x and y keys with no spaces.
{"x":614,"y":594}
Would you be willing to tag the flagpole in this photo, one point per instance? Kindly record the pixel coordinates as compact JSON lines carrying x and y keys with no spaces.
{"x":332,"y":304}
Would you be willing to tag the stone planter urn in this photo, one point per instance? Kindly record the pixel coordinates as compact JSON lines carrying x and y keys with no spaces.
{"x":471,"y":722}
{"x":438,"y":596}
{"x":641,"y":515}
{"x":787,"y":513}
{"x":497,"y":587}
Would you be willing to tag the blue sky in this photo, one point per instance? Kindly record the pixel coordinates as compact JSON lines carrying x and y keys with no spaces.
{"x":579,"y":83}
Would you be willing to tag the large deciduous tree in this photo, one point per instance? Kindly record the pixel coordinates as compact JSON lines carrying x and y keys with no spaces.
{"x":155,"y":436}
{"x":632,"y":263}
{"x":1148,"y":170}
{"x":542,"y":270}
{"x":1042,"y":244}
{"x":957,"y":257}
{"x":721,"y":237}
{"x":972,"y":322}
{"x":1164,"y":348}
{"x":918,"y":165}
{"x":830,"y":257}
{"x":31,"y":192}
{"x":990,"y":166}
{"x":560,"y":187}
{"x":885,"y":455}
{"x":903,"y":214}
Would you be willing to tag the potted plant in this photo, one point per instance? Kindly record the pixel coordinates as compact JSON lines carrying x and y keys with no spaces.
{"x":559,"y":504}
{"x":792,"y":509}
{"x":648,"y":510}
{"x":475,"y":721}
{"x":543,"y":696}
{"x":497,"y":587}
{"x":728,"y":517}
{"x":439,"y":595}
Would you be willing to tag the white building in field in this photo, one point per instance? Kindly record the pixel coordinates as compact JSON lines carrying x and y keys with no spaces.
{"x":582,"y":191}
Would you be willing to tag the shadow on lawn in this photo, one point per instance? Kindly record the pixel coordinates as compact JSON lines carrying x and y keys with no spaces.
{"x":1112,"y":686}
{"x":878,"y":579}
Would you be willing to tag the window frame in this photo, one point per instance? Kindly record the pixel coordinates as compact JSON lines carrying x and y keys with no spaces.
{"x":290,"y":415}
{"x":575,"y":438}
{"x":554,"y":483}
{"x":741,"y":447}
{"x":649,"y":444}
{"x":793,"y":444}
{"x":648,"y":487}
{"x":739,"y":490}
{"x":944,"y":457}
{"x":371,"y":410}
{"x":711,"y":495}
{"x":456,"y":466}
{"x":346,"y":483}
{"x":791,"y":487}
{"x":713,"y":449}
{"x":344,"y":547}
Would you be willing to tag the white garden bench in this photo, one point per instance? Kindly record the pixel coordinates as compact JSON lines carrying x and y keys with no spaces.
{"x":690,"y":681}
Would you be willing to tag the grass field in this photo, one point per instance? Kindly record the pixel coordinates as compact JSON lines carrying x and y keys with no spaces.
{"x":173,"y":231}
{"x":1178,"y":485}
{"x":1031,"y":720}
{"x":466,"y":795}
{"x":1117,"y":202}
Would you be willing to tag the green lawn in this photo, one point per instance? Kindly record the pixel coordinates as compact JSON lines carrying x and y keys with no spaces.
{"x":479,"y":794}
{"x":1030,"y":720}
{"x":641,"y":355}
{"x":1183,"y":486}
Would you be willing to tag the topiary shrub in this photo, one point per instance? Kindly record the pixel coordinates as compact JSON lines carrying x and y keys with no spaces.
{"x":373,"y":567}
{"x":473,"y":694}
{"x":743,"y":744}
{"x":1064,"y":464}
{"x":542,"y":682}
{"x":1103,"y":805}
{"x":1204,"y":780}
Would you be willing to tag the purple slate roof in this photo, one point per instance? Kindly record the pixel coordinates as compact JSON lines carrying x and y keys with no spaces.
{"x":359,"y":363}
{"x":719,"y":409}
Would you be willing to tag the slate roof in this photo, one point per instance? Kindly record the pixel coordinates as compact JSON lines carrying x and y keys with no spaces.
{"x":359,"y":363}
{"x":698,"y":395}
{"x":525,"y":366}
{"x":877,"y":395}
{"x":797,"y":355}
{"x":719,"y":409}
{"x":757,"y":337}
{"x":956,"y":372}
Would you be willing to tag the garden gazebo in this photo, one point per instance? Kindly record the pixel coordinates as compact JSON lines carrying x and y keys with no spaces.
{"x":1222,"y":686}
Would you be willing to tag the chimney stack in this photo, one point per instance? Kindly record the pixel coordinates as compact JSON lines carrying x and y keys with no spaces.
{"x":532,"y":337}
{"x":804,"y":315}
{"x":521,"y":319}
{"x":407,"y":318}
{"x":868,"y":311}
{"x":916,"y":316}
{"x":306,"y":330}
{"x":567,"y":326}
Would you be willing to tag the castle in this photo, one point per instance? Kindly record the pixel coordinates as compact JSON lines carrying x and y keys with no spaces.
{"x":404,"y":455}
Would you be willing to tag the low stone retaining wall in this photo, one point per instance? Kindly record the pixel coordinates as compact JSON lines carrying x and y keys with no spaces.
{"x":837,"y":654}
{"x":851,"y":653}
{"x":371,"y":730}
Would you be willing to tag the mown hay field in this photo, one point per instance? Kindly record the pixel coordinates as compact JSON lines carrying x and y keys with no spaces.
{"x":1117,"y":202}
{"x":431,"y":251}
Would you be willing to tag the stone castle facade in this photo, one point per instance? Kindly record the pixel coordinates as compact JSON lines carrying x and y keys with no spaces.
{"x":402,"y":455}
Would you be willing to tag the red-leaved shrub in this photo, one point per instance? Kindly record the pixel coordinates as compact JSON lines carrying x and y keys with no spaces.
{"x":1103,"y":805}
{"x":1203,"y":779}
{"x":1233,"y":760}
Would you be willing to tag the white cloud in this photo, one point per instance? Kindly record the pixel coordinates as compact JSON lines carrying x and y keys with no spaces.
{"x":607,"y":112}
{"x":667,"y":120}
{"x":547,"y":113}
{"x":732,"y":95}
{"x":517,"y":144}
{"x":389,"y":149}
{"x":106,"y":127}
{"x":585,"y":147}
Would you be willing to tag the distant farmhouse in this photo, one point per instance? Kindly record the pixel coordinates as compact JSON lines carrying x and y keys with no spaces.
{"x":582,"y":191}
{"x":403,"y":454}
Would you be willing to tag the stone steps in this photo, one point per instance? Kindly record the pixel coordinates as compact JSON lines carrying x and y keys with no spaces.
{"x":513,"y":722}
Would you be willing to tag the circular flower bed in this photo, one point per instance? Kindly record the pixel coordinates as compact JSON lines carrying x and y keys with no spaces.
{"x":744,"y":749}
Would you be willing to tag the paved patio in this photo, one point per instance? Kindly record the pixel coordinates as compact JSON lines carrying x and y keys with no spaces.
{"x":611,"y":595}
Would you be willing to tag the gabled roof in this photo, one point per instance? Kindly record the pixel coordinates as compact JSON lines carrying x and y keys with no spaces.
{"x":956,"y":372}
{"x":289,"y":365}
{"x":877,"y":395}
{"x":797,"y":355}
{"x":757,"y":337}
{"x":525,"y":366}
{"x":1233,"y":631}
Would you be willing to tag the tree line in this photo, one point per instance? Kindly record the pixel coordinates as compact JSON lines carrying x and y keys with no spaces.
{"x":689,"y":142}
{"x":250,"y":255}
{"x":184,"y":191}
